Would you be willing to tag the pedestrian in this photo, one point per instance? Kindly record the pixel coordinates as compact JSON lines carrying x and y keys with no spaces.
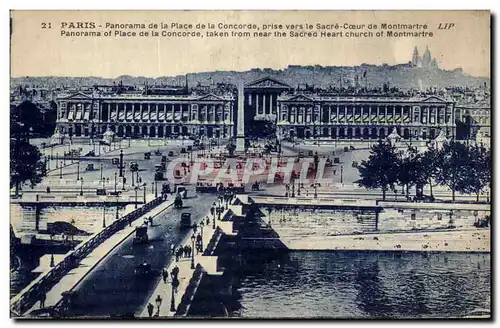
{"x":150,"y":309}
{"x":178,"y":254}
{"x":175,"y":272}
{"x":146,"y":222}
{"x":150,"y":219}
{"x":172,"y":248}
{"x":208,"y":220}
{"x":175,"y":284}
{"x":164,"y":275}
{"x":43,"y":297}
{"x":186,"y":251}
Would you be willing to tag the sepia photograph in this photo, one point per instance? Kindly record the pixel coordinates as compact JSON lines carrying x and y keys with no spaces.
{"x":250,"y":164}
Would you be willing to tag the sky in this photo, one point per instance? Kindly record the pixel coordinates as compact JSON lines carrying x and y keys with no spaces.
{"x":37,"y":51}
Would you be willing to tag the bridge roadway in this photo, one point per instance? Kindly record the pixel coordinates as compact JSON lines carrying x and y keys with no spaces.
{"x":111,"y":288}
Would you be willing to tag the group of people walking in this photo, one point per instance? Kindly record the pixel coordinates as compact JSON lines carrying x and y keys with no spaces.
{"x":183,"y":252}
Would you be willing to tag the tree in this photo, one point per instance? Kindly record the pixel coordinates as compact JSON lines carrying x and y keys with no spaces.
{"x":25,"y":164}
{"x":410,"y":169}
{"x":479,"y":171}
{"x":452,"y":171}
{"x":429,"y":166}
{"x":380,"y":170}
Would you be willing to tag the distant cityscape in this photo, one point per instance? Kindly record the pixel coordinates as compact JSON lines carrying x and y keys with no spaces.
{"x":349,"y":107}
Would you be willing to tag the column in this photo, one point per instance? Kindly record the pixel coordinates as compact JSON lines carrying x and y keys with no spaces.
{"x":369,"y":113}
{"x":157,"y":112}
{"x":385,"y":121}
{"x":264,"y":109}
{"x":271,"y":108}
{"x":257,"y":103}
{"x":329,"y":115}
{"x":338,"y":113}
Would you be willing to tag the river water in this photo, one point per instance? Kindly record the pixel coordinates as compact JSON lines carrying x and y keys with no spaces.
{"x":361,"y":285}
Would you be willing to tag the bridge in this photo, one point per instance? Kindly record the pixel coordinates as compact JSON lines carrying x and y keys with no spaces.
{"x":74,"y":264}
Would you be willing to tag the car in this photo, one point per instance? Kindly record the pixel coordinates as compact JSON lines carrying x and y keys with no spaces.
{"x":147,"y":155}
{"x":171,"y":153}
{"x":100,"y":192}
{"x":301,"y":154}
{"x":186,"y":221}
{"x":115,"y":161}
{"x":346,"y":149}
{"x":310,"y":153}
{"x":90,"y":154}
{"x":354,"y":164}
{"x":141,"y":235}
{"x":134,"y":166}
{"x":183,"y":150}
{"x":336,"y":160}
{"x":189,"y":148}
{"x":157,"y":152}
{"x":143,"y":269}
{"x":164,"y":159}
{"x":159,"y":176}
{"x":90,"y":167}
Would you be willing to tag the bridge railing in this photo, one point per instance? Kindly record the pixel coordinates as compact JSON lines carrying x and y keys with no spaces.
{"x":31,"y":294}
{"x":212,"y":244}
{"x":187,"y":298}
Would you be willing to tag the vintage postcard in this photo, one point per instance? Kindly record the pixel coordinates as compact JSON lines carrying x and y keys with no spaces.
{"x":250,"y":164}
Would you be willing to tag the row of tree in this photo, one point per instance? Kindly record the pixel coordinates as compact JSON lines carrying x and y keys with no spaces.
{"x":463,"y":168}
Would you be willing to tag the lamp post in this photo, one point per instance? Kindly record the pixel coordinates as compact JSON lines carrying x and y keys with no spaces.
{"x":152,"y":187}
{"x":144,"y":188}
{"x":77,"y":171}
{"x":192,"y":253}
{"x":172,"y":299}
{"x":202,"y":224}
{"x":132,"y":176}
{"x":60,"y":170}
{"x":104,"y":215}
{"x":115,"y":182}
{"x":117,"y":216}
{"x":158,"y":304}
{"x":136,"y":196}
{"x":101,"y":170}
{"x":81,"y":186}
{"x":156,"y":189}
{"x":121,"y":163}
{"x":315,"y":190}
{"x":342,"y":174}
{"x":57,"y":158}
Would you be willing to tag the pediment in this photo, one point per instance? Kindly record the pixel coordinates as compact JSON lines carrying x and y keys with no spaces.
{"x":301,"y":98}
{"x":433,"y":99}
{"x":210,"y":97}
{"x":267,"y":82}
{"x":78,"y":95}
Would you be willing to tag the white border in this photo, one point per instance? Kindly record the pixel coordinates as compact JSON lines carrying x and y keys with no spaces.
{"x":493,"y":5}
